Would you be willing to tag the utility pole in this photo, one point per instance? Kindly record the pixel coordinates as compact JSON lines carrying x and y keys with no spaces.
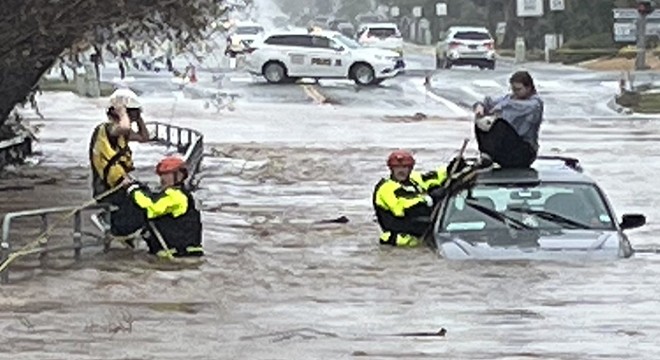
{"x":644,"y":7}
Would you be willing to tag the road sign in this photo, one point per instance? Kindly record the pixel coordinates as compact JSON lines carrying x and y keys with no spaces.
{"x":501,"y":28}
{"x":441,"y":9}
{"x":557,"y":5}
{"x":625,"y":24}
{"x":632,"y":13}
{"x":529,"y":8}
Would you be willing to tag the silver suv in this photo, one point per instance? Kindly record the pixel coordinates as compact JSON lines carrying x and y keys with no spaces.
{"x":463,"y":45}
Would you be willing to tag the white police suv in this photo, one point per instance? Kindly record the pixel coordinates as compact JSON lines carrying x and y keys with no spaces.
{"x":287,"y":56}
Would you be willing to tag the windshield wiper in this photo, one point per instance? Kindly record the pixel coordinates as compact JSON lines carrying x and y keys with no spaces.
{"x":553,"y":217}
{"x":507,"y":220}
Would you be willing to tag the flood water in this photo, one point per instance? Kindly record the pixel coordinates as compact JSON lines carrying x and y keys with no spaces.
{"x":275,"y":285}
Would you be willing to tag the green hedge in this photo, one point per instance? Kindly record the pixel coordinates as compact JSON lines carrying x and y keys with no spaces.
{"x":60,"y":85}
{"x":640,"y":102}
{"x":574,"y":56}
{"x":595,"y":41}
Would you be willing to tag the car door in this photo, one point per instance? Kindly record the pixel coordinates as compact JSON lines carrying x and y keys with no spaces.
{"x":295,"y":50}
{"x":322,"y":58}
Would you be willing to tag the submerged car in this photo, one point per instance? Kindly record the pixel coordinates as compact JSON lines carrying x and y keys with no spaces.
{"x":551,"y":211}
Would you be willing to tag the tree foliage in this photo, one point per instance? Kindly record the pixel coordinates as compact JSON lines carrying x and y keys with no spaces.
{"x":582,"y":22}
{"x":36,"y":33}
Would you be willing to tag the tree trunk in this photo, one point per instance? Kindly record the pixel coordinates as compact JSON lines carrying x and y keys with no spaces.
{"x":22,"y":68}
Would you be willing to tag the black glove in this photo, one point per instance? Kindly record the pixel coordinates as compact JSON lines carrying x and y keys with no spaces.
{"x":456,"y":164}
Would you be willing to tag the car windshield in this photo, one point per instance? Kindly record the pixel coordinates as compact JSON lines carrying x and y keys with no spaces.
{"x":249,"y":30}
{"x":544,"y":206}
{"x":382,"y":32}
{"x":471,"y":35}
{"x":348,"y":42}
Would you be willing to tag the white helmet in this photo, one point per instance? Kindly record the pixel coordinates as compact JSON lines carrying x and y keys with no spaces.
{"x":125,"y":97}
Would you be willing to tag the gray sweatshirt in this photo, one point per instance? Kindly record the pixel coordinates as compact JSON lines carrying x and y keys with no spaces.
{"x":525,"y":116}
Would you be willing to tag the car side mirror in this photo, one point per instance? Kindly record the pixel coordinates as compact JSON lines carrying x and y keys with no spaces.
{"x":338,"y":48}
{"x":631,"y":221}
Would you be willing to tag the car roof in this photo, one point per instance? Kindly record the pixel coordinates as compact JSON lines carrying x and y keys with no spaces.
{"x":469,"y":28}
{"x":544,"y":169}
{"x":301,"y":31}
{"x":381,"y":25}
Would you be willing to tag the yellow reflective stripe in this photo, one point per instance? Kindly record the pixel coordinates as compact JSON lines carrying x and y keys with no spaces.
{"x":437,"y":180}
{"x":173,"y":202}
{"x":386,"y":199}
{"x":194,"y":249}
{"x":402,"y":240}
{"x":166,"y":253}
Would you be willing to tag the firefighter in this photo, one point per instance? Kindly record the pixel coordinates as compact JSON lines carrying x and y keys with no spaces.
{"x":111,"y":160}
{"x":404,"y":201}
{"x":172,"y":212}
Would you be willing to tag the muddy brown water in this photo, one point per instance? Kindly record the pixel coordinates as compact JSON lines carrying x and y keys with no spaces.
{"x":275,"y":285}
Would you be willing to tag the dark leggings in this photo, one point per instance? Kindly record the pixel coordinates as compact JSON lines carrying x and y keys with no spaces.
{"x":129,"y":218}
{"x":504,"y":146}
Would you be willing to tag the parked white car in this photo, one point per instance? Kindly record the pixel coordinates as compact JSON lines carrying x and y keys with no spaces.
{"x":288,"y":56}
{"x":464,"y":45}
{"x":381,"y":35}
{"x":241,"y":36}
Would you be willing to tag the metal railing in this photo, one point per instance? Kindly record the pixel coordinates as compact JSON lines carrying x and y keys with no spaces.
{"x":14,"y":150}
{"x":188,"y":142}
{"x":43,"y":248}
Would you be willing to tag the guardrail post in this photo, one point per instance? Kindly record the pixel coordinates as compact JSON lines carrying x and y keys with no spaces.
{"x":5,"y":250}
{"x":178,"y":138}
{"x":107,"y":218}
{"x":44,"y":228}
{"x":77,"y":235}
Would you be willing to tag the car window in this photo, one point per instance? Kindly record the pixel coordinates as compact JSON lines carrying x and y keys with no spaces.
{"x":382,"y":32}
{"x":578,"y":202}
{"x":471,"y":35}
{"x":348,"y":42}
{"x":320,"y":42}
{"x":290,"y":40}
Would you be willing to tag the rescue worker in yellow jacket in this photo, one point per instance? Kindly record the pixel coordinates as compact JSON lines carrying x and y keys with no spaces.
{"x":404,"y":201}
{"x":111,"y":160}
{"x":173,"y":212}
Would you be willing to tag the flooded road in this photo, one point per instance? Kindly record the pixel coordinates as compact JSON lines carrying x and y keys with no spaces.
{"x":277,"y":285}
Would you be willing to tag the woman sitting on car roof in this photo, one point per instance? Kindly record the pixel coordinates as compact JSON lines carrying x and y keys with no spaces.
{"x":511,"y":140}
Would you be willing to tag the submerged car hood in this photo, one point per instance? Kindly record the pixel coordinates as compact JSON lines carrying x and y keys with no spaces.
{"x":564,"y":245}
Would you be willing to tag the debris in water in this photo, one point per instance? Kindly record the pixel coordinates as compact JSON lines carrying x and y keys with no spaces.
{"x":439,"y":333}
{"x":340,"y":220}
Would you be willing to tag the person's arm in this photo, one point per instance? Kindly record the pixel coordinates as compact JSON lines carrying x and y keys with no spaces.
{"x":488,"y":105}
{"x":432,"y":179}
{"x":170,"y":202}
{"x":520,"y":106}
{"x":142,"y":135}
{"x":398,"y":206}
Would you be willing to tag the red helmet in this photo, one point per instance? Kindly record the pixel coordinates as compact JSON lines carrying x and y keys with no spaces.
{"x":171,"y":164}
{"x":401,"y":158}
